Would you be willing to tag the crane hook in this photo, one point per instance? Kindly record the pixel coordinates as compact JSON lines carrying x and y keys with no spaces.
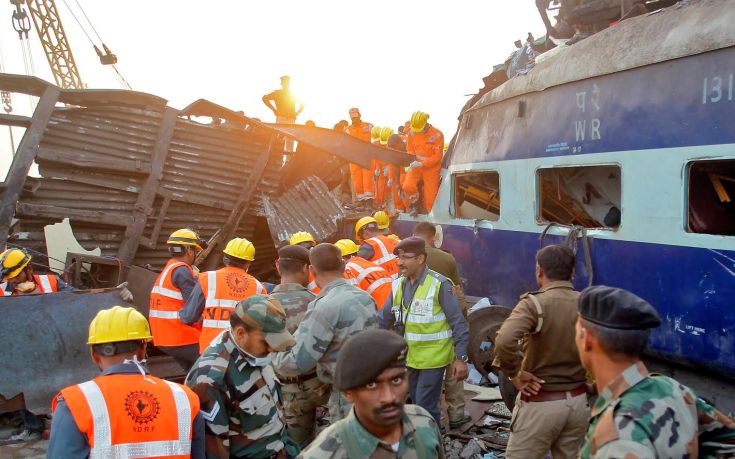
{"x":21,"y":23}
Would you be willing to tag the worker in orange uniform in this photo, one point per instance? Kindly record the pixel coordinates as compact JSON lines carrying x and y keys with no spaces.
{"x":18,"y":277}
{"x":383,"y":220}
{"x":376,"y":247}
{"x":216,"y":293}
{"x":397,"y":175}
{"x":307,"y":241}
{"x":169,"y":294}
{"x":362,"y":179}
{"x":427,"y":143}
{"x":381,"y":170}
{"x":125,"y":412}
{"x":363,"y":274}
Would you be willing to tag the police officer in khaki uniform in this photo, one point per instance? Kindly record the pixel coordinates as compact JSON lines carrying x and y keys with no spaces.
{"x":551,"y":411}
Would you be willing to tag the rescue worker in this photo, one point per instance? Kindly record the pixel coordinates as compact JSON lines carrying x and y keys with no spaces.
{"x":18,"y":277}
{"x":307,"y":241}
{"x":397,"y":175}
{"x":337,"y":313}
{"x":237,"y":387}
{"x":303,"y":394}
{"x":381,"y":170}
{"x":216,"y":293}
{"x":376,"y":247}
{"x":124,"y":409}
{"x":636,"y":414}
{"x":362,"y":179}
{"x":380,"y":424}
{"x":170,"y":292}
{"x":383,"y":220}
{"x":282,"y":103}
{"x":444,"y":263}
{"x":363,"y":274}
{"x":551,"y":412}
{"x":427,"y":143}
{"x":423,"y":309}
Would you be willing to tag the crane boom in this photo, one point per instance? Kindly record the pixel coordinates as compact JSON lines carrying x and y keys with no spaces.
{"x":48,"y":25}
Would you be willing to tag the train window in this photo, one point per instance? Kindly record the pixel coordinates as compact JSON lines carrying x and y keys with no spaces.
{"x":587,"y":196}
{"x":711,"y":197}
{"x":477,"y":195}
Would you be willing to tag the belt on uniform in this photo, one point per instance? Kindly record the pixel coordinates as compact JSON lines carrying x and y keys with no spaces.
{"x":549,"y":396}
{"x":297,"y":379}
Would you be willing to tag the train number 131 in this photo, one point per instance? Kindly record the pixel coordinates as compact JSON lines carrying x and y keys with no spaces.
{"x":716,"y":89}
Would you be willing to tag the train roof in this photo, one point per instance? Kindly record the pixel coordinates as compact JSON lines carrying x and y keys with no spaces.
{"x":681,"y":30}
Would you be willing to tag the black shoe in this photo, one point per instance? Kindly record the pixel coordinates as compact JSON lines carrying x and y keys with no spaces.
{"x":458,"y":424}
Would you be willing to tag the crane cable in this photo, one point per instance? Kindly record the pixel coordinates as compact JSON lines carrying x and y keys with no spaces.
{"x":22,"y":25}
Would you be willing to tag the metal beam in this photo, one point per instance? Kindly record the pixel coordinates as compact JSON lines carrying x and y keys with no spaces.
{"x":60,"y":213}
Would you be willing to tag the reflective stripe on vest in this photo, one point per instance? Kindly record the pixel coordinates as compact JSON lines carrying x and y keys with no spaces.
{"x":102,"y":441}
{"x":163,"y":291}
{"x":209,"y":323}
{"x":156,"y":314}
{"x":385,"y":256}
{"x":45,"y":284}
{"x":421,"y":158}
{"x":4,"y":292}
{"x":374,"y":286}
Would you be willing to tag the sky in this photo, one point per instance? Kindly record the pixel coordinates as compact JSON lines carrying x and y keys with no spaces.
{"x":389,"y":58}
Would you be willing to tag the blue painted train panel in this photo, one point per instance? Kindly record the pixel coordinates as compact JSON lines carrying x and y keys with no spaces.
{"x":688,"y":101}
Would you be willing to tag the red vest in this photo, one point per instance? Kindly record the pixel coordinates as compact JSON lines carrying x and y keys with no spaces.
{"x":223,"y":289}
{"x":369,"y":277}
{"x":383,"y":253}
{"x":45,"y":283}
{"x":127,"y":416}
{"x":166,"y":302}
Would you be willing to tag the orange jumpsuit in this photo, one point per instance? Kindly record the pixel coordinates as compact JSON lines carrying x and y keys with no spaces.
{"x":428,"y":146}
{"x":362,"y":179}
{"x":380,"y":192}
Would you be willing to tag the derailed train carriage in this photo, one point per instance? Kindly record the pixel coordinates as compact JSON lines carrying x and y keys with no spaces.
{"x":624,"y":146}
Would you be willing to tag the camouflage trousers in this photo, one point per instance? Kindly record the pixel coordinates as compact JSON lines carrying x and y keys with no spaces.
{"x":339,"y":406}
{"x":300,"y":401}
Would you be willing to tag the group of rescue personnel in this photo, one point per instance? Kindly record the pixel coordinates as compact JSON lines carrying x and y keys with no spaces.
{"x":362,"y":327}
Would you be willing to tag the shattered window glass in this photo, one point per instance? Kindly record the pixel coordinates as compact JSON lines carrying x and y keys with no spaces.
{"x":477,"y":195}
{"x":711,"y":197}
{"x":587,"y":196}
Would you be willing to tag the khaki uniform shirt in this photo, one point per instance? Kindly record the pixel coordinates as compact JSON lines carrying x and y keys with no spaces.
{"x":550,"y":352}
{"x":445,"y":264}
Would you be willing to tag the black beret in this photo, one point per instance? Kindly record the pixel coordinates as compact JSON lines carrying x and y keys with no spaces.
{"x":612,"y":307}
{"x":411,"y":244}
{"x":294,"y":253}
{"x":355,"y":368}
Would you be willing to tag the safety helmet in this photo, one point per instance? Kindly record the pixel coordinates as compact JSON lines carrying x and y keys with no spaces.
{"x":382,"y":219}
{"x":385,"y":133}
{"x":347,"y":247}
{"x":118,"y":324}
{"x":12,"y":262}
{"x":240,"y":248}
{"x":418,"y":121}
{"x":375,"y":132}
{"x":301,"y":236}
{"x":363,"y":223}
{"x":186,"y":236}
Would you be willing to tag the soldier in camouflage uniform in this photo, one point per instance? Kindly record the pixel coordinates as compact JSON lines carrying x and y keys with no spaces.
{"x":638,"y":415}
{"x":239,"y":394}
{"x":301,"y":394}
{"x":338,"y":312}
{"x":379,"y":425}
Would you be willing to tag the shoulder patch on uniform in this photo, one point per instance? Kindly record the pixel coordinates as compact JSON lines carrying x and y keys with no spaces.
{"x":209,"y":415}
{"x":525,"y":295}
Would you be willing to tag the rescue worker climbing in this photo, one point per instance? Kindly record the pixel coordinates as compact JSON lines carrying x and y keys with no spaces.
{"x":427,"y":143}
{"x":124,"y":409}
{"x":381,"y":170}
{"x":363,"y":274}
{"x":307,"y":241}
{"x":376,"y":247}
{"x":216,"y":293}
{"x":170,"y":292}
{"x":18,"y":277}
{"x":362,"y":179}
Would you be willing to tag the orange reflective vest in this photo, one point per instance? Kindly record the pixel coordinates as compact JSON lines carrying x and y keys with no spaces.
{"x":383,"y":253}
{"x":427,"y":146}
{"x":313,"y":287}
{"x":45,"y":283}
{"x":166,"y":302}
{"x":126,"y":416}
{"x":369,"y":277}
{"x":222,"y":290}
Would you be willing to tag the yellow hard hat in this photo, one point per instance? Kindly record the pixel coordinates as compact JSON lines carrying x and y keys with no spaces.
{"x":118,"y":324}
{"x":301,"y":236}
{"x":384,"y":134}
{"x":418,"y":121}
{"x":240,"y":248}
{"x":362,"y":223}
{"x":12,"y":262}
{"x":347,"y":246}
{"x":375,"y":132}
{"x":186,"y":236}
{"x":382,"y":219}
{"x":394,"y":237}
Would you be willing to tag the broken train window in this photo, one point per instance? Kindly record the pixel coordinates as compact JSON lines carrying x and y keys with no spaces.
{"x":477,"y":195}
{"x":711,"y":197}
{"x":587,"y":196}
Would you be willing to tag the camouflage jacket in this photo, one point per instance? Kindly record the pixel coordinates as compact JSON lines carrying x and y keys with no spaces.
{"x":338,"y":312}
{"x":294,"y":298}
{"x":241,"y":404}
{"x":348,"y":439}
{"x":642,"y":416}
